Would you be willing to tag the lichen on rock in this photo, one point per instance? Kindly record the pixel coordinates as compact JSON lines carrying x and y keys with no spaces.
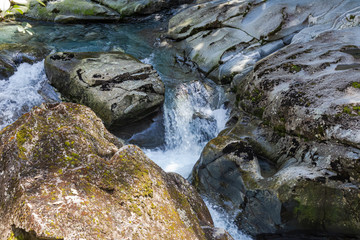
{"x":64,"y":176}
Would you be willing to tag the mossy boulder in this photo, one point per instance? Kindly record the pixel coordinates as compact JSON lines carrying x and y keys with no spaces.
{"x":116,"y":86}
{"x":68,"y":11}
{"x":140,"y":7}
{"x":12,"y":54}
{"x":64,"y":176}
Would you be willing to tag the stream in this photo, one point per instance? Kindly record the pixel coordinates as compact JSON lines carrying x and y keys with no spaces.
{"x":193,"y":111}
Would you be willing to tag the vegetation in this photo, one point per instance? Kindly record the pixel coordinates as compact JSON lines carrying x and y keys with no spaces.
{"x":7,"y":7}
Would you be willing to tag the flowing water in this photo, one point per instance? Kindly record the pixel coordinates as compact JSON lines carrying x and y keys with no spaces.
{"x":193,"y":111}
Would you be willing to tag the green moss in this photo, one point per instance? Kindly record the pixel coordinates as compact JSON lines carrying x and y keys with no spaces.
{"x":134,"y":208}
{"x":259,"y":112}
{"x":295,"y":68}
{"x":347,"y":110}
{"x":320,"y":130}
{"x":23,"y":135}
{"x":255,"y":96}
{"x":355,"y":84}
{"x":280,"y":129}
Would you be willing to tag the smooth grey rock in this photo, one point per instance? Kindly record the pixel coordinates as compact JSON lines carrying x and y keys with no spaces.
{"x":310,"y":89}
{"x":226,"y":38}
{"x":304,"y":101}
{"x":118,"y":87}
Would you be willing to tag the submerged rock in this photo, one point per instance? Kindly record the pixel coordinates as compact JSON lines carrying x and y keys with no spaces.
{"x":294,"y":164}
{"x":12,"y":54}
{"x":226,"y":38}
{"x":64,"y":176}
{"x":118,"y":87}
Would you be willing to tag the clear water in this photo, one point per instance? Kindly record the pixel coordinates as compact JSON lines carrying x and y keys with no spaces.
{"x":193,"y":108}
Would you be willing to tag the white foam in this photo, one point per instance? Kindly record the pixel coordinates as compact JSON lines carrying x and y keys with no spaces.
{"x":190,"y":122}
{"x":21,"y":92}
{"x":221,"y":220}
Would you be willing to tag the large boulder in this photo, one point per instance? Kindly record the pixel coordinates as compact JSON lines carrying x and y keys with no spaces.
{"x":116,"y":86}
{"x":68,"y":11}
{"x":310,"y":89}
{"x":291,"y":161}
{"x":226,"y":38}
{"x":140,"y":7}
{"x":12,"y":54}
{"x":64,"y":176}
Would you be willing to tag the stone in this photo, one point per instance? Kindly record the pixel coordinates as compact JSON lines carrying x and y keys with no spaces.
{"x":289,"y":160}
{"x":142,"y":7}
{"x":226,"y":38}
{"x":12,"y":54}
{"x":301,"y":89}
{"x":281,"y":183}
{"x":118,"y":87}
{"x":64,"y":176}
{"x":67,"y":11}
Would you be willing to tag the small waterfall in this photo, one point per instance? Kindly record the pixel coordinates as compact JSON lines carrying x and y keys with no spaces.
{"x":193,"y":114}
{"x":25,"y":89}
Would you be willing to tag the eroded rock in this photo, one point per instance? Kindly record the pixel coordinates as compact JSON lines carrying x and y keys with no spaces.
{"x":291,"y":162}
{"x":118,"y":87}
{"x":226,"y":38}
{"x":64,"y":176}
{"x":310,"y":89}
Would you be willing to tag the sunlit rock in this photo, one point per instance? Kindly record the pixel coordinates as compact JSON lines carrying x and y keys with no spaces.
{"x":226,"y":38}
{"x":291,"y":162}
{"x":64,"y":176}
{"x":118,"y":87}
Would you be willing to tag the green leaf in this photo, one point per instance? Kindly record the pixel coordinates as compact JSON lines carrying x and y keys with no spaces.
{"x":39,"y":1}
{"x":19,"y":10}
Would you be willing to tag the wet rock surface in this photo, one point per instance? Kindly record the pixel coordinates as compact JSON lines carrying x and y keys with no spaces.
{"x":64,"y":176}
{"x":226,"y":38}
{"x":13,"y":54}
{"x":118,"y":87}
{"x":290,"y":159}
